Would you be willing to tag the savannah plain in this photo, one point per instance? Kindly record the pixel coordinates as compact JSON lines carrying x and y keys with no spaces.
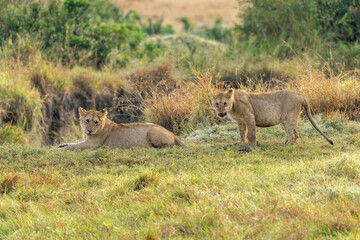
{"x":103,"y":54}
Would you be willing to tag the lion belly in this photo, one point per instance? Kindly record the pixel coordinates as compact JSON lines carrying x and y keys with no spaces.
{"x":267,"y":118}
{"x":129,"y":137}
{"x":271,"y":109}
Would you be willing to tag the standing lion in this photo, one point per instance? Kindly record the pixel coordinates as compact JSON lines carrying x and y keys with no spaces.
{"x":251,"y":110}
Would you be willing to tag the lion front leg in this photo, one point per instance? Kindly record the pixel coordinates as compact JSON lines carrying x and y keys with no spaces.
{"x":251,"y":132}
{"x":80,"y":145}
{"x":242,"y":131}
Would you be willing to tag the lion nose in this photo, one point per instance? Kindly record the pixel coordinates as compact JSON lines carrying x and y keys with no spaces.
{"x":222,"y":114}
{"x":90,"y":131}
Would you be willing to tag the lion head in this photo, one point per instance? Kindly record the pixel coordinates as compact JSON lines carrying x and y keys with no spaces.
{"x":92,"y":121}
{"x":222,"y":102}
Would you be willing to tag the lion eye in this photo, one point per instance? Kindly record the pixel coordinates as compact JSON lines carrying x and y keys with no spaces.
{"x":87,"y":120}
{"x":225,"y":103}
{"x":217,"y":104}
{"x":96,"y":123}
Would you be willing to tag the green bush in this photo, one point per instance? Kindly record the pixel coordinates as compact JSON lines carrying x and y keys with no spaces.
{"x":297,"y":25}
{"x":188,"y":26}
{"x":219,"y":32}
{"x":153,"y":50}
{"x":73,"y":30}
{"x":157,"y":28}
{"x":339,"y":19}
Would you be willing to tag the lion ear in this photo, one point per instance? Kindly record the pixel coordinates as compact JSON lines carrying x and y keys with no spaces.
{"x":82,"y":111}
{"x":104,"y":113}
{"x":230,"y":92}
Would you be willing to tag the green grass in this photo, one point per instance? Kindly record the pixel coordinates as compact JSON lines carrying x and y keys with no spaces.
{"x":308,"y":190}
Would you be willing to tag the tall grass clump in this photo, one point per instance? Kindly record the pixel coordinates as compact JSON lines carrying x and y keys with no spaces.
{"x":13,"y":134}
{"x":185,"y":107}
{"x":338,"y":93}
{"x":20,"y":104}
{"x":8,"y":182}
{"x":156,"y":77}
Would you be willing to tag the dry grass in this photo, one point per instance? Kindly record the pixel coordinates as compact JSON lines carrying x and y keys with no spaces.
{"x":185,"y":107}
{"x":8,"y":182}
{"x":158,"y":78}
{"x":306,"y":191}
{"x":201,"y":12}
{"x":46,"y":95}
{"x":332,"y":94}
{"x":20,"y":104}
{"x":43,"y":97}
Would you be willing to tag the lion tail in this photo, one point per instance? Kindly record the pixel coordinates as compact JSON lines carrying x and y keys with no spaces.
{"x":308,"y":114}
{"x":179,"y":143}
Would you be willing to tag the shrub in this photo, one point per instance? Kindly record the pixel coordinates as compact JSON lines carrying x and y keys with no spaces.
{"x":152,"y":50}
{"x":157,"y":27}
{"x":189,"y":52}
{"x":284,"y":27}
{"x":188,"y":26}
{"x":75,"y":30}
{"x":270,"y":21}
{"x":219,"y":32}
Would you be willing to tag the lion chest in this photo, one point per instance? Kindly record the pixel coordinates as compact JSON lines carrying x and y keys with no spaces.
{"x":237,"y":117}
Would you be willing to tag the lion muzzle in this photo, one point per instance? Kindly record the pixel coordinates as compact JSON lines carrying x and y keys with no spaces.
{"x":222,"y":115}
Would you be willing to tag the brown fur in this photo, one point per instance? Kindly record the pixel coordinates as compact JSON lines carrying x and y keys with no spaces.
{"x":99,"y":131}
{"x":251,"y":110}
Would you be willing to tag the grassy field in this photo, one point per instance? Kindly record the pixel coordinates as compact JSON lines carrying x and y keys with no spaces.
{"x":308,"y":190}
{"x":95,"y":55}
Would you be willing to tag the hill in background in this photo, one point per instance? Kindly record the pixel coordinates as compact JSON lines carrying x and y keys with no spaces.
{"x":201,"y":12}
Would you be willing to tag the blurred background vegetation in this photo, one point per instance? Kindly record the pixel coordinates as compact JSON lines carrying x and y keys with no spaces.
{"x":57,"y":55}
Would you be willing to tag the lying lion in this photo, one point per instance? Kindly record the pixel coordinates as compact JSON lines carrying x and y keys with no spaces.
{"x":100,"y":131}
{"x":263,"y":110}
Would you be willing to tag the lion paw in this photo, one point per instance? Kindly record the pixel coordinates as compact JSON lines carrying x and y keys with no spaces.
{"x":246,"y":149}
{"x":63,"y":145}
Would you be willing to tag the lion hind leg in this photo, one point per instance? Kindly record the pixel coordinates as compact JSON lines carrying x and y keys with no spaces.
{"x":160,"y":137}
{"x":296,"y":134}
{"x":291,"y":133}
